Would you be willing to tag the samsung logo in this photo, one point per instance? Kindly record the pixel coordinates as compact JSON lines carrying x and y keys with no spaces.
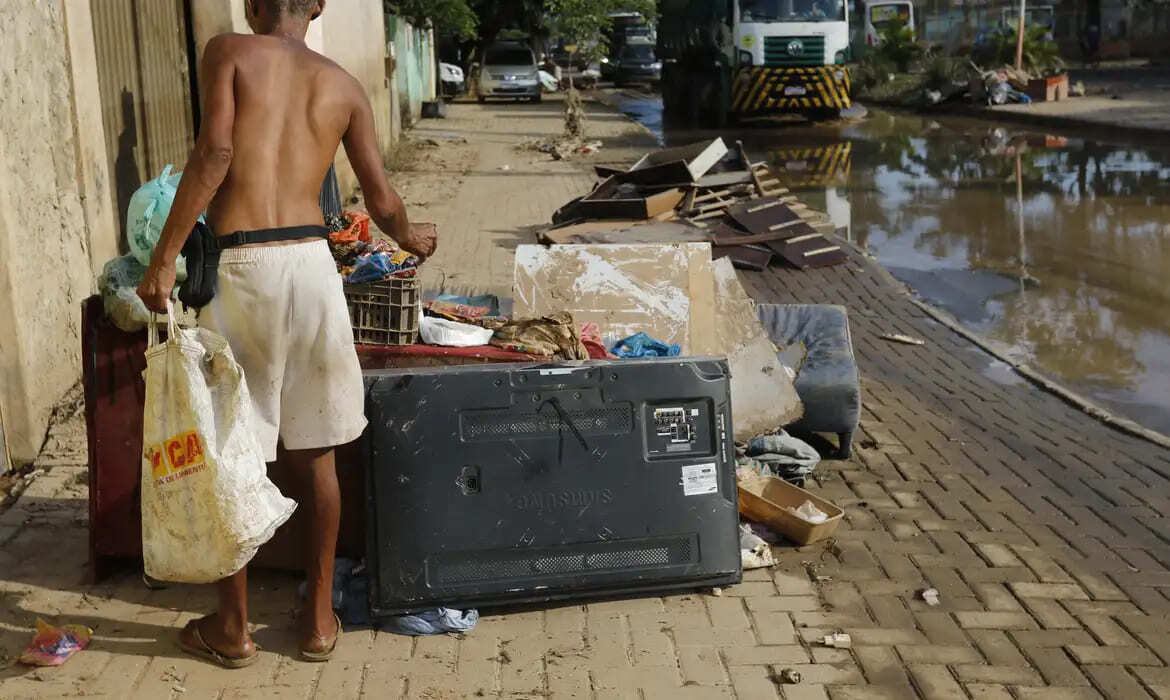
{"x":554,"y":500}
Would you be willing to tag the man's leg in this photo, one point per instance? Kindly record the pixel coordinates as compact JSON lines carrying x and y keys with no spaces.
{"x":316,"y":473}
{"x":226,"y":631}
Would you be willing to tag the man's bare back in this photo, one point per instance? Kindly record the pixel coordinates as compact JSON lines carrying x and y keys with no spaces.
{"x":292,"y":106}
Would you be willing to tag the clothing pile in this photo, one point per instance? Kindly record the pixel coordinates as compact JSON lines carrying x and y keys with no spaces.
{"x":351,"y":595}
{"x":361,"y":258}
{"x":554,"y":336}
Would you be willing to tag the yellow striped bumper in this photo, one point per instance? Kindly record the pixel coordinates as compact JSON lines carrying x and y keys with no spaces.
{"x":818,"y":166}
{"x":763,"y":90}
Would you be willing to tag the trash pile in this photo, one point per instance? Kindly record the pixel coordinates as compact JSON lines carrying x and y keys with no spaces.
{"x":361,"y":258}
{"x":703,"y":192}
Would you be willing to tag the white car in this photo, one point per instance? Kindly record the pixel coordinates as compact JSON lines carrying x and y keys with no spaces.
{"x":509,"y":70}
{"x":451,"y":78}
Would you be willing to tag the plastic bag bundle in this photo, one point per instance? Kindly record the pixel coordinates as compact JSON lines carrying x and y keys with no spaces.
{"x":149,"y":208}
{"x":118,"y":285}
{"x":207,"y":503}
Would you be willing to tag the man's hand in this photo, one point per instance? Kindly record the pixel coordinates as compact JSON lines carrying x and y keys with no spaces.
{"x":156,"y":287}
{"x":422,"y":240}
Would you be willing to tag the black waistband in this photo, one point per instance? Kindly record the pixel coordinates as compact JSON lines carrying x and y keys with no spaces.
{"x":269,"y":235}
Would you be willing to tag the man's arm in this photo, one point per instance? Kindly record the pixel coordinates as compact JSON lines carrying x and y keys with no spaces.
{"x":205,"y":172}
{"x":384,"y":204}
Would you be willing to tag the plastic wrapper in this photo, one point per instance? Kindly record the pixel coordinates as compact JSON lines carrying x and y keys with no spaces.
{"x":810,"y":513}
{"x":52,"y":646}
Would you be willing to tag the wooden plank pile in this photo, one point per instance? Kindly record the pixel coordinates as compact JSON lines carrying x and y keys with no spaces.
{"x":704,"y":192}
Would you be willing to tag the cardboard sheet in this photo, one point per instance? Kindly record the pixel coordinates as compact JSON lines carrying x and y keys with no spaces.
{"x":763,"y":397}
{"x":665,"y":290}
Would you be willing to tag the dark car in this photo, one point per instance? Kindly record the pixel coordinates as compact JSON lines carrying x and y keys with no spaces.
{"x":636,"y":63}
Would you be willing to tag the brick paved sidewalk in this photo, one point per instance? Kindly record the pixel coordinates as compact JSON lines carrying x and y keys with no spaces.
{"x":1040,"y":527}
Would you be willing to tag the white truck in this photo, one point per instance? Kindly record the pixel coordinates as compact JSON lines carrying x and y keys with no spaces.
{"x":751,"y":58}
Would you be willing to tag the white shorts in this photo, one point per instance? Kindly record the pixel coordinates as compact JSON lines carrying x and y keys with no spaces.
{"x":284,"y":315}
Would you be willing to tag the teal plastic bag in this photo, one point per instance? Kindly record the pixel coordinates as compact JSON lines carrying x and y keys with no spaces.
{"x":148,"y":211}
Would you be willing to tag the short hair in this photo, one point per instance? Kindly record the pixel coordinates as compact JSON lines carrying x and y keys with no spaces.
{"x":291,"y":7}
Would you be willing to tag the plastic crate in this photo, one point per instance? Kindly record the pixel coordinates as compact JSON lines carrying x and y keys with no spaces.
{"x":384,"y":313}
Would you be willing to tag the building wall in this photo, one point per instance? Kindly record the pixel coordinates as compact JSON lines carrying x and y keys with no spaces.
{"x":56,"y":228}
{"x":350,"y":32}
{"x":415,"y":79}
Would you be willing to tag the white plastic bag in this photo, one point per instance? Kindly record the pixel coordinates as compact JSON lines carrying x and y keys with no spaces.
{"x":441,"y":331}
{"x":207,"y":503}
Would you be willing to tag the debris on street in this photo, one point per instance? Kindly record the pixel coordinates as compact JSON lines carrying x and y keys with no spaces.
{"x":837,"y":640}
{"x":900,"y":338}
{"x":53,"y":646}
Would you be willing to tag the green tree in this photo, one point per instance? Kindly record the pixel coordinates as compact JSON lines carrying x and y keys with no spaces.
{"x":454,"y":17}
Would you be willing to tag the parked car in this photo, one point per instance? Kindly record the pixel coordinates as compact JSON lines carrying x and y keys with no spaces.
{"x":451,"y":80}
{"x":509,"y":70}
{"x":636,"y":63}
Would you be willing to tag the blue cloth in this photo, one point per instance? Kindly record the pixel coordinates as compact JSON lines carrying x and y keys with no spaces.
{"x":642,"y":345}
{"x":439,"y":621}
{"x":371,"y":268}
{"x":351,"y":589}
{"x":785,"y":456}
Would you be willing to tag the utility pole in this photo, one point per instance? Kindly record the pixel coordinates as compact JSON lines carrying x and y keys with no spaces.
{"x":1020,"y":38}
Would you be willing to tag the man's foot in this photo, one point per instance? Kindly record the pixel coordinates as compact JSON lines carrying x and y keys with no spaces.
{"x":316,"y":646}
{"x":206,"y":638}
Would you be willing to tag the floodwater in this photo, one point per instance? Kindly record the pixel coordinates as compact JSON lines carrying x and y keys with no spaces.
{"x":1067,"y":265}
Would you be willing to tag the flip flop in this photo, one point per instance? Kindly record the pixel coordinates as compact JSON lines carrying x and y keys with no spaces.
{"x":319,"y":656}
{"x":206,"y":652}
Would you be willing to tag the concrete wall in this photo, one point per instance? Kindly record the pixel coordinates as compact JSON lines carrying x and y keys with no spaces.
{"x":350,"y":32}
{"x":56,"y":227}
{"x":415,"y":79}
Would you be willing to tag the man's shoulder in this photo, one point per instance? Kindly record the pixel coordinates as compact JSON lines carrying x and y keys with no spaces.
{"x":227,"y":46}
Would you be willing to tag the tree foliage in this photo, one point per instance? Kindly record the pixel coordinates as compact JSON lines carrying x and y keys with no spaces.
{"x":583,"y":22}
{"x":898,"y":46}
{"x":454,"y":17}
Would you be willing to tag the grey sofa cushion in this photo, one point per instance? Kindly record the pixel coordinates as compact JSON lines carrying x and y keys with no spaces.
{"x":827,"y":381}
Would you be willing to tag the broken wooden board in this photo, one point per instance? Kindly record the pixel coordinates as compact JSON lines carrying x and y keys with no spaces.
{"x":744,"y":257}
{"x":764,"y":215}
{"x":603,"y":232}
{"x":811,"y":250}
{"x":666,"y":291}
{"x":698,"y":157}
{"x":608,"y":201}
{"x":763,"y":397}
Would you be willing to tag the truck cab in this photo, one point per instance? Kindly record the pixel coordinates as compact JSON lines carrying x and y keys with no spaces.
{"x":793,"y":33}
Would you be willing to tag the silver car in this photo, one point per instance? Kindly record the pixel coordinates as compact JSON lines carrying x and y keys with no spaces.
{"x":509,"y":70}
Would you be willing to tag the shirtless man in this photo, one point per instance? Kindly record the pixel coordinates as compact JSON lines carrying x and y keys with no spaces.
{"x":274,"y":115}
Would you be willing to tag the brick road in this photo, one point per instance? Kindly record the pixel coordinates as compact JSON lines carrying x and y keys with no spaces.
{"x":1040,"y":527}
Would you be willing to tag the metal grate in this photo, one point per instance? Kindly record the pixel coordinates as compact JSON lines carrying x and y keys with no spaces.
{"x":778,"y":51}
{"x":596,"y":558}
{"x":617,"y":419}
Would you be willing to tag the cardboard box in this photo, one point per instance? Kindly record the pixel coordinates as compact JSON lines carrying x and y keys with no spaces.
{"x":1048,"y":89}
